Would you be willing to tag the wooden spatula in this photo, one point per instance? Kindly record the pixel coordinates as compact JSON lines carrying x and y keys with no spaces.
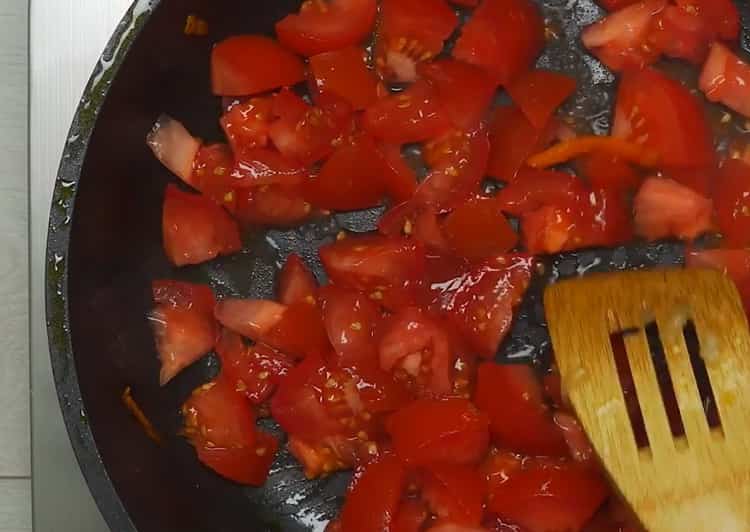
{"x":695,"y":482}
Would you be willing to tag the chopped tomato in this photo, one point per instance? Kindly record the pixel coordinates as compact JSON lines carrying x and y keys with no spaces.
{"x":411,"y":31}
{"x":513,"y":139}
{"x":386,"y":269}
{"x":614,"y":5}
{"x":345,"y":73}
{"x":250,"y":64}
{"x":539,"y":93}
{"x":609,"y":172}
{"x":211,"y":166}
{"x":548,"y":229}
{"x":536,"y":188}
{"x":253,"y":371}
{"x":660,"y":113}
{"x":174,"y":147}
{"x":732,"y":202}
{"x":296,"y":282}
{"x":681,"y":34}
{"x":195,"y":229}
{"x":252,"y":318}
{"x":183,"y":323}
{"x":373,"y":501}
{"x":399,"y":178}
{"x":246,"y":123}
{"x":664,"y":208}
{"x":410,"y":517}
{"x":549,"y":496}
{"x":579,"y":445}
{"x":722,"y":16}
{"x":313,"y":135}
{"x":244,"y":465}
{"x":512,"y":397}
{"x":620,"y":40}
{"x":288,"y":105}
{"x":479,"y":299}
{"x":726,"y":79}
{"x":412,"y":115}
{"x":323,"y":26}
{"x":502,"y":36}
{"x":416,"y":344}
{"x":478,"y":229}
{"x":585,"y":144}
{"x":351,"y":179}
{"x":733,"y":262}
{"x":430,"y":431}
{"x":272,"y":205}
{"x":263,"y":166}
{"x":299,"y":332}
{"x":455,"y":493}
{"x":350,"y":318}
{"x":465,"y":91}
{"x":465,"y":3}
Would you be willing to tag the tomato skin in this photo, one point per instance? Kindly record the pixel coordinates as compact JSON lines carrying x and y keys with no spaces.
{"x":255,"y":167}
{"x":272,"y":205}
{"x":351,"y":319}
{"x":245,"y":465}
{"x":732,"y":203}
{"x":513,"y":139}
{"x":722,"y":16}
{"x":664,"y":208}
{"x":430,"y":431}
{"x":373,"y":501}
{"x":195,"y":229}
{"x":536,"y":188}
{"x":502,"y":36}
{"x":413,"y":115}
{"x":661,"y":114}
{"x":296,"y":282}
{"x":477,"y":229}
{"x":680,"y":34}
{"x":400,"y":180}
{"x":250,"y":64}
{"x":252,"y":318}
{"x":246,"y":124}
{"x":455,"y":493}
{"x":344,"y":73}
{"x":183,"y":324}
{"x":549,"y":496}
{"x":726,"y":78}
{"x":299,"y":332}
{"x":607,"y":172}
{"x":314,"y":31}
{"x":539,"y":93}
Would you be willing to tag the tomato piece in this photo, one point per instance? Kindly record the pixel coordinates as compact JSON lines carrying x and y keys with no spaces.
{"x":244,"y":465}
{"x":411,"y":32}
{"x":351,"y":179}
{"x":212,"y":164}
{"x":430,"y":431}
{"x":195,"y":229}
{"x":614,"y":5}
{"x":263,"y":166}
{"x":296,"y":282}
{"x":479,"y":299}
{"x":457,"y":171}
{"x":536,"y":188}
{"x":399,"y":178}
{"x":350,"y":318}
{"x":252,"y":318}
{"x":254,"y":371}
{"x":549,"y":496}
{"x":386,"y":269}
{"x":183,"y":324}
{"x":513,"y":139}
{"x":272,"y":205}
{"x":288,"y":105}
{"x":410,"y":517}
{"x":681,"y":34}
{"x":322,"y":26}
{"x":215,"y":413}
{"x":455,"y":493}
{"x":539,"y":93}
{"x":512,"y":397}
{"x":478,"y":229}
{"x":345,"y":73}
{"x":664,"y":208}
{"x":246,"y":123}
{"x":250,"y":64}
{"x":732,"y":202}
{"x":174,"y":147}
{"x":547,"y":230}
{"x":722,"y":16}
{"x":412,"y":115}
{"x":660,"y":113}
{"x":726,"y":78}
{"x":465,"y":91}
{"x":733,"y":262}
{"x":621,"y":39}
{"x":299,"y":332}
{"x":579,"y":446}
{"x":414,"y":342}
{"x":608,"y":172}
{"x":502,"y":36}
{"x":374,"y":498}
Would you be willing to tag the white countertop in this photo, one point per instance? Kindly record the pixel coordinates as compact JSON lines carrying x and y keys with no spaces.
{"x":67,"y":37}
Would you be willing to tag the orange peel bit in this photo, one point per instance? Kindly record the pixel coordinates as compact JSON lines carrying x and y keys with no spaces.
{"x":140,"y":417}
{"x":573,"y":148}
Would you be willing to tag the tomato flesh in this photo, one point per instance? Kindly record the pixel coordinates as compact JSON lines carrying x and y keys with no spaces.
{"x":726,"y":78}
{"x":732,"y":202}
{"x":345,"y":73}
{"x":296,"y":282}
{"x":539,"y":93}
{"x":664,"y":208}
{"x":455,"y":493}
{"x":373,"y":501}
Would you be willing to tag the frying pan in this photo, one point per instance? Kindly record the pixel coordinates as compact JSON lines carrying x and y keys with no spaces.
{"x":104,"y":248}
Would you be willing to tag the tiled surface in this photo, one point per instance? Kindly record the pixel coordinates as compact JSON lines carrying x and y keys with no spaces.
{"x":15,"y":459}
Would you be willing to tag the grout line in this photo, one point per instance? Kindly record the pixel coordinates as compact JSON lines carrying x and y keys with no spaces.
{"x":15,"y":478}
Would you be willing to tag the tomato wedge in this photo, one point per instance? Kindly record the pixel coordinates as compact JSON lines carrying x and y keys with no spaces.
{"x":272,"y":205}
{"x":183,"y":323}
{"x":244,"y":465}
{"x":296,"y":282}
{"x":211,"y":166}
{"x":455,"y":493}
{"x":374,"y":499}
{"x":539,"y":93}
{"x":252,"y":318}
{"x":325,"y":26}
{"x":722,"y":16}
{"x":664,"y":208}
{"x":263,"y":166}
{"x":250,"y":64}
{"x":246,"y":123}
{"x":345,"y":73}
{"x":195,"y":229}
{"x":726,"y":79}
{"x":732,"y":202}
{"x":399,"y":178}
{"x":513,"y":139}
{"x":502,"y":36}
{"x":478,"y":229}
{"x":174,"y":147}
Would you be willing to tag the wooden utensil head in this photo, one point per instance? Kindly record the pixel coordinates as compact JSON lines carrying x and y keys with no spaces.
{"x":690,"y":470}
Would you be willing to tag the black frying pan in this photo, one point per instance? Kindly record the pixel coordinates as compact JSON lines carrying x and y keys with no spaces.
{"x":104,"y":249}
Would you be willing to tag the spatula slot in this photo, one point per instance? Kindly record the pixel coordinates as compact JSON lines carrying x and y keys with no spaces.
{"x":666,"y":387}
{"x":627,"y":384}
{"x":701,"y":376}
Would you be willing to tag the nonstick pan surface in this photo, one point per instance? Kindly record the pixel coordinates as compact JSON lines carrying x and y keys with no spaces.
{"x":104,"y":249}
